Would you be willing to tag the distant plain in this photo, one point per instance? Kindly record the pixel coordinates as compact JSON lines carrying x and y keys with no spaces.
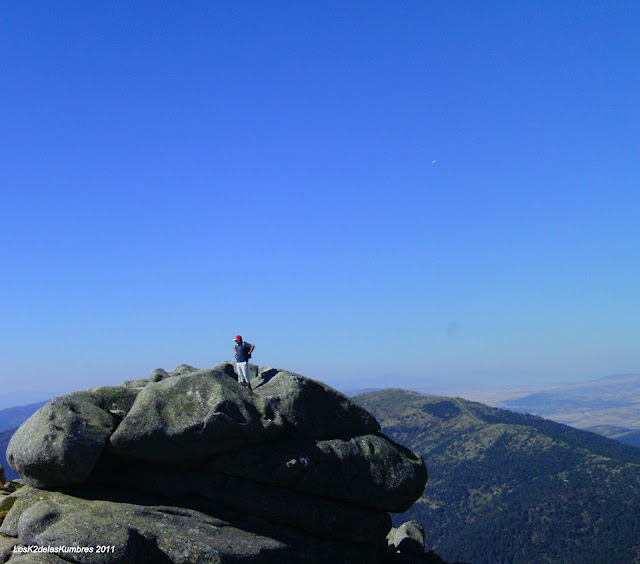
{"x":609,"y":406}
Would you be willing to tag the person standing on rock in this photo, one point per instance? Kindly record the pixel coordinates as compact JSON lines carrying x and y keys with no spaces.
{"x":243,"y":352}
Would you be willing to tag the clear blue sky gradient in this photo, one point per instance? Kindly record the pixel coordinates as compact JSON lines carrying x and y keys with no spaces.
{"x":377,"y":194}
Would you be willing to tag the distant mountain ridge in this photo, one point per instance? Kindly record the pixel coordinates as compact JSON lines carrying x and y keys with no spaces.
{"x":510,"y":487}
{"x":5,"y":437}
{"x":13,"y":417}
{"x":609,"y":401}
{"x":10,"y":419}
{"x":24,"y":397}
{"x":629,"y":436}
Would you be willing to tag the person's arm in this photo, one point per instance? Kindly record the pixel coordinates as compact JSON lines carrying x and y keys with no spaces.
{"x":251,"y":348}
{"x":235,"y":350}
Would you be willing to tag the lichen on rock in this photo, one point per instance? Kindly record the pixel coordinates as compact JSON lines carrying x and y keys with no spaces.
{"x":292,"y":471}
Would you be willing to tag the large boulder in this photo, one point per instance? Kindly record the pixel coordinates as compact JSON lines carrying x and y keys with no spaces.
{"x":305,"y":408}
{"x":61,"y":443}
{"x":317,"y":515}
{"x":189,"y":418}
{"x":370,"y":471}
{"x":139,"y":533}
{"x":133,"y":533}
{"x":408,"y":538}
{"x":115,"y":400}
{"x":188,"y":466}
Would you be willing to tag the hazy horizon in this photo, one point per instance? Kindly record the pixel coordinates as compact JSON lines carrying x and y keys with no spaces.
{"x":475,"y":389}
{"x":424,"y":194}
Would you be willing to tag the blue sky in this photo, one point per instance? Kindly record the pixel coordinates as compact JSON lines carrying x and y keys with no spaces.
{"x":410,"y":194}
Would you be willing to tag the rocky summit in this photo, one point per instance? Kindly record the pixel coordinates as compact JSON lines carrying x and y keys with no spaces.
{"x":189,"y":467}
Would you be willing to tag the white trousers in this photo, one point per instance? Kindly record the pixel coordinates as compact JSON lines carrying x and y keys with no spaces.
{"x":243,"y":371}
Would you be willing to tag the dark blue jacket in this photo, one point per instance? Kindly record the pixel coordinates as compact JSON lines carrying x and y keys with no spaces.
{"x":242,"y":352}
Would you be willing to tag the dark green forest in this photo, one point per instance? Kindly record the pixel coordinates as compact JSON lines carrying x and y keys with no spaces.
{"x":507,"y":487}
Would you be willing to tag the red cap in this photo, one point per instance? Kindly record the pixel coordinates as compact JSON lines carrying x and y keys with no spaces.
{"x":238,"y":337}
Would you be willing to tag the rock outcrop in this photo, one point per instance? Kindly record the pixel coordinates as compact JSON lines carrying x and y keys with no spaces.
{"x":187,"y":466}
{"x":408,"y":538}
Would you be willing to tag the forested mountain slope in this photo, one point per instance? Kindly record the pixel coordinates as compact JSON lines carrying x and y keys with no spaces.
{"x":508,"y":487}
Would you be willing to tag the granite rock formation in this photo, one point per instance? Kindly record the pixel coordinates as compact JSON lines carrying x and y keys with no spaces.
{"x":187,"y":466}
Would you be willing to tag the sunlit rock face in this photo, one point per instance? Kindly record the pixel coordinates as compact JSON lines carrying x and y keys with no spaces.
{"x":189,"y":466}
